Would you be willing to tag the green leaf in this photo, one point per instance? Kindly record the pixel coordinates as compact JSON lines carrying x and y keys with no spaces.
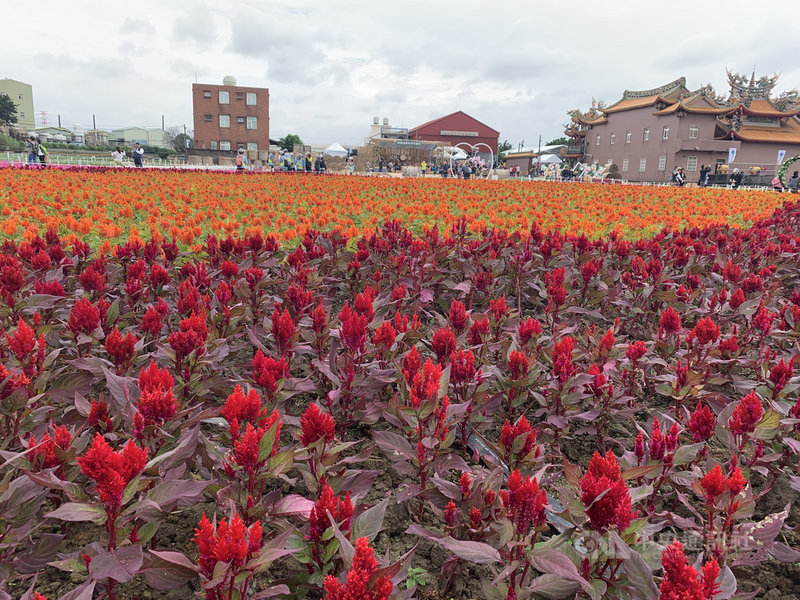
{"x":267,"y":442}
{"x":112,"y":314}
{"x":768,"y":426}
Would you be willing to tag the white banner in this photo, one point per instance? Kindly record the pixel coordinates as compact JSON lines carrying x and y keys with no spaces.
{"x":781,"y":155}
{"x":731,"y":155}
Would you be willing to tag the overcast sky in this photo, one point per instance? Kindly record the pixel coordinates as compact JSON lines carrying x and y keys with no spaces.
{"x":331,"y":66}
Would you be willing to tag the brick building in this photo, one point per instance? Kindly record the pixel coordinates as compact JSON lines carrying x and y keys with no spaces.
{"x":456,"y":128}
{"x":228,"y":116}
{"x":650,"y":132}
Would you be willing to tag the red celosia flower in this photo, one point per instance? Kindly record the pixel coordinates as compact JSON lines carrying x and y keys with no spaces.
{"x":83,"y":318}
{"x":151,"y":322}
{"x":229,"y":269}
{"x":524,"y":501}
{"x":230,"y":544}
{"x":411,"y":364}
{"x":563,"y":367}
{"x":736,"y":482}
{"x":464,"y":482}
{"x":613,"y":508}
{"x":780,"y":374}
{"x":681,"y":580}
{"x":599,"y":379}
{"x":462,"y":367}
{"x":475,"y":517}
{"x":22,"y":342}
{"x":443,"y":344}
{"x":239,"y":409}
{"x":477,"y":330}
{"x":319,"y":319}
{"x":557,"y":294}
{"x":509,"y":435}
{"x":353,"y":331}
{"x":246,"y":447}
{"x":283,"y":331}
{"x":158,"y":275}
{"x":98,"y":416}
{"x":732,"y":272}
{"x":763,"y":319}
{"x":450,"y":514}
{"x":657,"y":446}
{"x":670,"y":320}
{"x":111,"y":470}
{"x":737,"y":299}
{"x":157,"y":403}
{"x":746,"y":415}
{"x":517,"y":364}
{"x":607,"y":343}
{"x":706,"y":331}
{"x":267,"y":372}
{"x":702,"y":423}
{"x":527,"y":329}
{"x":730,"y":345}
{"x":316,"y":424}
{"x":360,"y":584}
{"x":399,"y":292}
{"x":498,"y":308}
{"x":458,"y":315}
{"x":120,"y":348}
{"x":91,"y":280}
{"x":713,"y":484}
{"x":635,"y":351}
{"x":191,"y":337}
{"x":638,"y":447}
{"x":588,"y":270}
{"x":384,"y":336}
{"x":44,"y":456}
{"x":425,"y":385}
{"x":363,"y":304}
{"x":341,"y":509}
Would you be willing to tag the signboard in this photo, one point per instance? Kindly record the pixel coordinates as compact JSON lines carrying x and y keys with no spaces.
{"x":781,"y":156}
{"x":731,"y":155}
{"x":415,"y":143}
{"x":459,"y":133}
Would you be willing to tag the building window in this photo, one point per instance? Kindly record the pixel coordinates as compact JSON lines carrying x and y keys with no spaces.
{"x":611,"y":138}
{"x":597,"y":140}
{"x":251,"y":98}
{"x":694,"y":132}
{"x":224,"y":145}
{"x":252,"y":145}
{"x":646,"y":135}
{"x":628,"y":137}
{"x":214,"y":145}
{"x":252,"y":122}
{"x":224,"y":97}
{"x":665,"y":134}
{"x":691,"y":163}
{"x":224,"y":120}
{"x":643,"y":164}
{"x":240,"y":95}
{"x":662,"y":163}
{"x":206,"y":93}
{"x":240,"y":119}
{"x":625,"y":161}
{"x":22,"y":96}
{"x":207,"y":117}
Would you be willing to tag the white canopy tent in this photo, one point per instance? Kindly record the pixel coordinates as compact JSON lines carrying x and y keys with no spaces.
{"x":455,"y":153}
{"x":548,"y":159}
{"x":335,"y":149}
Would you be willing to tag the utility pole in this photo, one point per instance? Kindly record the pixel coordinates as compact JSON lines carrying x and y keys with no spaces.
{"x":539,"y":156}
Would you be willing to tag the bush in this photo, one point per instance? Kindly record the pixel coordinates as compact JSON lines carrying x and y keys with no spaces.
{"x":9,"y":144}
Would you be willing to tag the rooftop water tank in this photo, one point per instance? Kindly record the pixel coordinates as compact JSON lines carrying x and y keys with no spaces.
{"x":229,"y":80}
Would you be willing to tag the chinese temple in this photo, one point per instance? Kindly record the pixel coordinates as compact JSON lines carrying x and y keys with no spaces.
{"x":650,"y":132}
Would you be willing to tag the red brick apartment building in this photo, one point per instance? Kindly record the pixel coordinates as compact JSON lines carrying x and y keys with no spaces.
{"x":228,"y":116}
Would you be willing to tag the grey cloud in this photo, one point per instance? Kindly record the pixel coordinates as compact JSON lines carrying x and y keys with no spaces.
{"x":196,"y":27}
{"x":134,"y":26}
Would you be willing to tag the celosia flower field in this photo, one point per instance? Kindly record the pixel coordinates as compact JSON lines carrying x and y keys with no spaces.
{"x":113,"y":205}
{"x":453,"y":414}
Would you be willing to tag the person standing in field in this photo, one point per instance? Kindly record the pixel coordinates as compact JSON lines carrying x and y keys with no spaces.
{"x":793,"y":182}
{"x":704,"y":171}
{"x":42,"y":153}
{"x":736,"y":179}
{"x":118,"y":155}
{"x":138,"y":155}
{"x":32,"y":147}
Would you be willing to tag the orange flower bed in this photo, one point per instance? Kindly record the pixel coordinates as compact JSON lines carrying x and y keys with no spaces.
{"x":99,"y":205}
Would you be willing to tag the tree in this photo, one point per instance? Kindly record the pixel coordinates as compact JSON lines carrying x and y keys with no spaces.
{"x":504,"y":146}
{"x":8,"y":110}
{"x":562,"y":141}
{"x":288,"y":142}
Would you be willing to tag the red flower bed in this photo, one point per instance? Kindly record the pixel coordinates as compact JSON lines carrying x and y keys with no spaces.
{"x":542,"y":417}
